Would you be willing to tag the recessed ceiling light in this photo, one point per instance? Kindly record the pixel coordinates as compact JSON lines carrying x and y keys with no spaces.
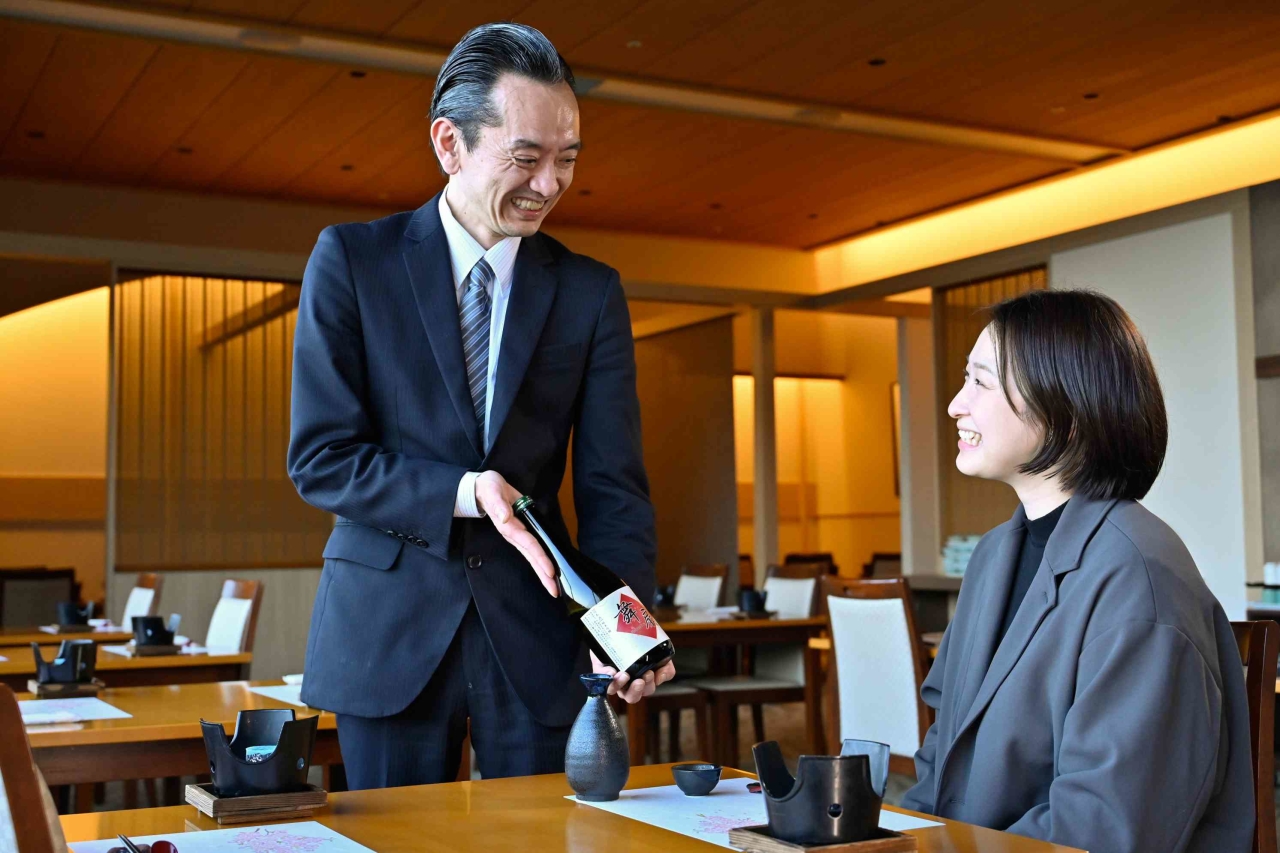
{"x":347,"y":167}
{"x":715,"y":205}
{"x":634,"y":43}
{"x":35,"y":134}
{"x":584,"y":192}
{"x":184,"y":150}
{"x":357,"y":74}
{"x":877,"y":62}
{"x":1090,"y":96}
{"x":1225,"y":119}
{"x":813,"y":216}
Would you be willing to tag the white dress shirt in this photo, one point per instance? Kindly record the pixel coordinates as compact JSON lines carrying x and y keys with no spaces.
{"x":465,"y":253}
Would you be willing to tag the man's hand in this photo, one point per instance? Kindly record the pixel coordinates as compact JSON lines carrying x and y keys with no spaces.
{"x":641,"y":687}
{"x":495,"y":496}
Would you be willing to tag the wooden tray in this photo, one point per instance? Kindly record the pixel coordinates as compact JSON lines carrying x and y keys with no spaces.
{"x":758,"y":839}
{"x":74,"y":690}
{"x":295,"y":804}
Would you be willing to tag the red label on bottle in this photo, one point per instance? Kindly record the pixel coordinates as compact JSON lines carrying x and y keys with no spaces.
{"x":634,"y":619}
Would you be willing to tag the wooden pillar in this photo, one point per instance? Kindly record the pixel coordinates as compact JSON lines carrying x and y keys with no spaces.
{"x":765,"y":522}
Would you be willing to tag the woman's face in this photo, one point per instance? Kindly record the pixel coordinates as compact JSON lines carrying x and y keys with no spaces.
{"x":993,"y":440}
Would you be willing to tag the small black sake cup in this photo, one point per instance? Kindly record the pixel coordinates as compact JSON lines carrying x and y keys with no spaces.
{"x":696,"y":780}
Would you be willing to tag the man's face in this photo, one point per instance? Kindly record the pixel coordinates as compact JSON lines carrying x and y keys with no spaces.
{"x":517,"y":171}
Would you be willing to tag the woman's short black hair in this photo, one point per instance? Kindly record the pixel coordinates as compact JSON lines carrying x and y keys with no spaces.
{"x":466,"y":80}
{"x":1086,"y":376}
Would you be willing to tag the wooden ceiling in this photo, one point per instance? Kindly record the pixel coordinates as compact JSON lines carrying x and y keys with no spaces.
{"x":100,"y":107}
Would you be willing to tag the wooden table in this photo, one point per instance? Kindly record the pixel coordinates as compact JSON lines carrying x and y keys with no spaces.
{"x":691,"y":631}
{"x":14,"y":637}
{"x":121,"y":671}
{"x":163,"y":736}
{"x":522,"y":814}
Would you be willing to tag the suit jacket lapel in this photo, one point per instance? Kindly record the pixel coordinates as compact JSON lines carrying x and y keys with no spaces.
{"x":426,"y":257}
{"x":533,"y":289}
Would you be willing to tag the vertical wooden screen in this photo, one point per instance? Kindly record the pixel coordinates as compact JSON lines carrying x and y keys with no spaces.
{"x":968,"y":505}
{"x":202,"y":371}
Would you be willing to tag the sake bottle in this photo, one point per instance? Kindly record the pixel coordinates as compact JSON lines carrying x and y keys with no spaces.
{"x":619,"y":629}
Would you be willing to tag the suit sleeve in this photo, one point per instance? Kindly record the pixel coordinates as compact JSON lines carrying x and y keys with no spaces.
{"x":334,"y":457}
{"x":922,"y":796}
{"x":610,"y":488}
{"x":1139,"y":756}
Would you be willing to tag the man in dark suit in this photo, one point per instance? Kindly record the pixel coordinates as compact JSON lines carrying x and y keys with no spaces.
{"x":443,"y":358}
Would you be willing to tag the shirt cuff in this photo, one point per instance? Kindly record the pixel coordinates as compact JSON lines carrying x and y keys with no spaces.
{"x":465,"y":504}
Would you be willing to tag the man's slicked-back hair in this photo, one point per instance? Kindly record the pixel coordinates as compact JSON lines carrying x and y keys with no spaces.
{"x":464,"y":87}
{"x":1086,"y":376}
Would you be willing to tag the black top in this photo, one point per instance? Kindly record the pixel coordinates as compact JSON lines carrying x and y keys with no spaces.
{"x":1038,"y":532}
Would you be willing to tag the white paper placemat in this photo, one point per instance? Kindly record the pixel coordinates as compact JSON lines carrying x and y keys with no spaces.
{"x":710,"y":818}
{"x":291,"y":693}
{"x":37,"y":712}
{"x":302,"y":837}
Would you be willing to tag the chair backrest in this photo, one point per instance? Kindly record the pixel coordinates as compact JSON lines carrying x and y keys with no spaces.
{"x":1259,"y":644}
{"x":144,"y":599}
{"x":821,"y":558}
{"x":235,"y":618}
{"x":30,"y":597}
{"x":883,"y":566}
{"x":746,"y":572}
{"x":876,"y":668}
{"x":792,"y":591}
{"x":699,"y":587}
{"x":28,"y":821}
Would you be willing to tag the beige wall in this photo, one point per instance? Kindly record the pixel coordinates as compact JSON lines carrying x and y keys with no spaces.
{"x":1264,"y":217}
{"x":684,"y":380}
{"x":53,"y":436}
{"x":835,"y":437}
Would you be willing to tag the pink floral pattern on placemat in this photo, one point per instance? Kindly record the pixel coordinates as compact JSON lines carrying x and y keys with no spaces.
{"x":715,"y":824}
{"x":263,"y":840}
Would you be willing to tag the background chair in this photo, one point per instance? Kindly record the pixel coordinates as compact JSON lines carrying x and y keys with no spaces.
{"x":143,"y":600}
{"x":746,"y":572}
{"x":235,"y":618}
{"x":876,"y":669}
{"x":1259,"y":644}
{"x":777,"y":671}
{"x":30,"y":597}
{"x":883,"y":566}
{"x":700,"y":587}
{"x":28,"y":819}
{"x":822,"y":558}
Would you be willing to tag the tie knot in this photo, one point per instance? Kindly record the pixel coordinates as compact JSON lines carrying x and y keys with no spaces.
{"x":481,"y":275}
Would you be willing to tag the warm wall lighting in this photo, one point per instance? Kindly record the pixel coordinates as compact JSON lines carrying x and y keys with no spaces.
{"x":1211,"y":163}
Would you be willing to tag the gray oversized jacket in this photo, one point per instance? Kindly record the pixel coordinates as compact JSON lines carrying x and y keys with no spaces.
{"x":1112,"y":716}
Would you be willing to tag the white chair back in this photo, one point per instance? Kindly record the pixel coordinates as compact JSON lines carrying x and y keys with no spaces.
{"x":790,"y":598}
{"x":138,"y":604}
{"x":698,"y":593}
{"x":875,"y":672}
{"x":229,"y":624}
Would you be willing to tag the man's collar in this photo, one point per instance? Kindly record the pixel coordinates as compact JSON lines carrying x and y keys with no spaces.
{"x":465,"y":251}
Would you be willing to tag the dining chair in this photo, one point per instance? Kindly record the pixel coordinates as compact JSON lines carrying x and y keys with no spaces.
{"x":28,"y":819}
{"x":883,"y":566}
{"x":823,"y":558}
{"x":699,"y":588}
{"x":777,"y":671}
{"x":235,"y":617}
{"x":143,"y":600}
{"x":876,"y":667}
{"x":1259,"y":644}
{"x":746,"y":572}
{"x":30,"y":597}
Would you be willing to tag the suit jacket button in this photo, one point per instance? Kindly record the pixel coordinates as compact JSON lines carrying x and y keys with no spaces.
{"x":474,"y":562}
{"x":421,"y":543}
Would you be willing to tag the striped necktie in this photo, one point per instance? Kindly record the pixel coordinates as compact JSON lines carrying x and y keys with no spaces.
{"x":475,"y":336}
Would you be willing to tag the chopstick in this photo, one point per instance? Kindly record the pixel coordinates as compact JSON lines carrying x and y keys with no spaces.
{"x":133,"y":848}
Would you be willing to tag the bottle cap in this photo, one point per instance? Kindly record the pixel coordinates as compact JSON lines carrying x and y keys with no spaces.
{"x":523,"y":503}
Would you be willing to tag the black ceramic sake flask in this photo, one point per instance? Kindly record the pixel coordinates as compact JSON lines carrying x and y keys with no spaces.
{"x":832,"y":799}
{"x":596,"y":760}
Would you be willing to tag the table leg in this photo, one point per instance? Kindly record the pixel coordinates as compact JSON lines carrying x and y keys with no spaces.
{"x":638,"y":731}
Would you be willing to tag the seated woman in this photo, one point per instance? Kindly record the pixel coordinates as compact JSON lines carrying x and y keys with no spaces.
{"x":1089,"y":690}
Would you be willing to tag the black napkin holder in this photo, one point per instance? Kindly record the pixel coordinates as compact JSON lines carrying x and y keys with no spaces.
{"x":285,"y":770}
{"x":832,"y":799}
{"x":75,"y":663}
{"x":72,"y":618}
